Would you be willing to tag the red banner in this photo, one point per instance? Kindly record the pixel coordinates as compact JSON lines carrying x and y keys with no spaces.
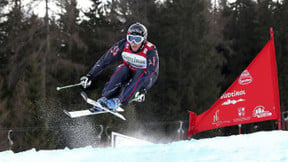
{"x":253,"y":97}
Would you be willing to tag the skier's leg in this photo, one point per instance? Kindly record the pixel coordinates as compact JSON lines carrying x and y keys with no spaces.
{"x":139,"y":81}
{"x":112,"y":88}
{"x":119,"y":78}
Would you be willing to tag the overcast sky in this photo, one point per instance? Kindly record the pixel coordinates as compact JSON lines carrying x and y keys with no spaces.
{"x":38,"y":6}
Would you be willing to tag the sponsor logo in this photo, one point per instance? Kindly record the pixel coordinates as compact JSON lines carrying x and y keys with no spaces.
{"x":215,"y":116}
{"x":150,"y":62}
{"x":228,"y":102}
{"x":245,"y":78}
{"x":135,"y":61}
{"x":233,"y":94}
{"x":241,"y":111}
{"x":149,"y":44}
{"x":216,"y":120}
{"x":242,"y":115}
{"x":260,"y":112}
{"x":145,"y":50}
{"x":154,"y":61}
{"x":114,"y":50}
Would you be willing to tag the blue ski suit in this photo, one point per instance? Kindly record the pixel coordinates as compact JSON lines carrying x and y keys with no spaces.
{"x":138,"y":72}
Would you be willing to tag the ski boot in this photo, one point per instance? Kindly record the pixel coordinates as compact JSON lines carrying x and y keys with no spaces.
{"x":113,"y":104}
{"x":102,"y":101}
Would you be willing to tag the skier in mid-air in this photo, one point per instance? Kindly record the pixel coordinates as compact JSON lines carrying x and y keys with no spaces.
{"x":134,"y":77}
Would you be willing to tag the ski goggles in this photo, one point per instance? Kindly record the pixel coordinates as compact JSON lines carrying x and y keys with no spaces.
{"x":135,"y":38}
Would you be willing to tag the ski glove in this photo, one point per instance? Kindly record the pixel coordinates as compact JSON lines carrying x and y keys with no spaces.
{"x":85,"y":81}
{"x":139,"y":97}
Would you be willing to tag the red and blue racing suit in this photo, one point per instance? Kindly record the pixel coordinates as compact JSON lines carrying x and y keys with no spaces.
{"x":138,"y":72}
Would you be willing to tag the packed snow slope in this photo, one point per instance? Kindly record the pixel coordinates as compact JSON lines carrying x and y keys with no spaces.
{"x":260,"y":146}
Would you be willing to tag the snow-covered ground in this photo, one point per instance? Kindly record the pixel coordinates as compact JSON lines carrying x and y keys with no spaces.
{"x":260,"y":146}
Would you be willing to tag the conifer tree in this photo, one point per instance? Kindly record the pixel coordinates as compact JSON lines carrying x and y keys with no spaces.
{"x":189,"y":68}
{"x":281,"y":40}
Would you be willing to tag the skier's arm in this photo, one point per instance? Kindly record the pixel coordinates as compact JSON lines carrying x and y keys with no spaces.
{"x":111,"y":56}
{"x":152,"y":66}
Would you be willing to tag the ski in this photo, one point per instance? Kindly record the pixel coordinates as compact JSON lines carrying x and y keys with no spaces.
{"x":95,"y":103}
{"x":87,"y":112}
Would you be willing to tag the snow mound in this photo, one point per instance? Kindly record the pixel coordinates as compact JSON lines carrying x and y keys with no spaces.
{"x":260,"y":146}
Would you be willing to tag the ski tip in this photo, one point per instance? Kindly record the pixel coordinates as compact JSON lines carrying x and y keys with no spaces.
{"x":122,"y":117}
{"x":67,"y":113}
{"x":84,"y":95}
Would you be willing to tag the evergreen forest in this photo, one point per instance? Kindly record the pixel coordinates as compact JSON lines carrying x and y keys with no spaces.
{"x":203,"y":47}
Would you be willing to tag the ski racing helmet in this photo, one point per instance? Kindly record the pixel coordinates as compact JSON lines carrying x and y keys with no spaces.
{"x":137,"y":29}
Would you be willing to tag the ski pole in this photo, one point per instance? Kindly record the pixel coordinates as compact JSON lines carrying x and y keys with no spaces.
{"x":68,"y":86}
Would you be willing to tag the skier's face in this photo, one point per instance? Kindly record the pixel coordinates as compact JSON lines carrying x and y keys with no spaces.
{"x":135,"y":41}
{"x":135,"y":47}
